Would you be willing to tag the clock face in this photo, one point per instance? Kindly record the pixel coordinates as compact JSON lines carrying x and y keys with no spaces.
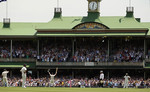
{"x":93,"y":5}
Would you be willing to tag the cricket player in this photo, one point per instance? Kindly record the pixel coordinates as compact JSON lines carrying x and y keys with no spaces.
{"x":127,"y":77}
{"x":101,"y":77}
{"x":52,"y":77}
{"x":4,"y":74}
{"x":23,"y":71}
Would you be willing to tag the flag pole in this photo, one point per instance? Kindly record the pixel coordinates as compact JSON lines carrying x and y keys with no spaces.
{"x":129,"y":3}
{"x":7,"y":9}
{"x":149,"y":3}
{"x":57,"y":3}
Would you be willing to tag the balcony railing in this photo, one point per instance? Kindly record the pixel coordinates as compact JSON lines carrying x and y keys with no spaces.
{"x":17,"y":60}
{"x":91,"y":64}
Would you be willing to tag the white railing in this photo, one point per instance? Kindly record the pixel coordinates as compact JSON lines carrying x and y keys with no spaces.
{"x":57,"y":10}
{"x":130,"y":9}
{"x":6,"y":20}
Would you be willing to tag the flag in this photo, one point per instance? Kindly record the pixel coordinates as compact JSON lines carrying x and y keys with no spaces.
{"x":2,"y":0}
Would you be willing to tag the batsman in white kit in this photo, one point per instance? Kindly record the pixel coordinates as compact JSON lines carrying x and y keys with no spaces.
{"x":4,"y":74}
{"x":126,"y":82}
{"x":23,"y":71}
{"x":52,"y":82}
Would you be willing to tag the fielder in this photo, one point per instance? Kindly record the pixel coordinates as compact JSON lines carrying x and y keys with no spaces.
{"x":52,"y":77}
{"x":23,"y":71}
{"x":4,"y":74}
{"x":126,"y":81}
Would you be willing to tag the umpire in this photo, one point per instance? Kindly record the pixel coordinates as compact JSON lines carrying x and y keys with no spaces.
{"x":101,"y":77}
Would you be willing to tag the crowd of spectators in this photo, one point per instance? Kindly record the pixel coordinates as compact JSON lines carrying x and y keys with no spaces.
{"x":24,"y":51}
{"x":129,"y":53}
{"x":54,"y":54}
{"x":77,"y":82}
{"x":19,"y":50}
{"x":4,"y":51}
{"x":90,"y":54}
{"x":86,"y":53}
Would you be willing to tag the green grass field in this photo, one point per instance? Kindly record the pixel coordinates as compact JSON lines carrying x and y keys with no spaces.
{"x":42,"y":89}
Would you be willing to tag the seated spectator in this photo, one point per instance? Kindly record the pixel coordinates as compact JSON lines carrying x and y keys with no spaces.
{"x":129,"y":53}
{"x":84,"y":54}
{"x":53,"y":54}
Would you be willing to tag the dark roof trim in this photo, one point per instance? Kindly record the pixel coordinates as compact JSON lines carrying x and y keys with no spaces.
{"x":17,"y":36}
{"x":93,"y":31}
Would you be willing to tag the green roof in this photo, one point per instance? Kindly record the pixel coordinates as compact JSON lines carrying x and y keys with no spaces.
{"x":30,"y":29}
{"x":147,"y":25}
{"x":18,"y":29}
{"x":110,"y":21}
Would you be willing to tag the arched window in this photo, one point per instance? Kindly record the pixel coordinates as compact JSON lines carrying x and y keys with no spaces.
{"x":90,"y":25}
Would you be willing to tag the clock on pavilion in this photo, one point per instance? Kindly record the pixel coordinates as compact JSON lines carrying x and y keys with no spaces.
{"x":93,"y":5}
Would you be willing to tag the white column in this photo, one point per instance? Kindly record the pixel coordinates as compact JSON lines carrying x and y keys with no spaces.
{"x":11,"y":50}
{"x":144,"y":75}
{"x":145,"y":48}
{"x":108,"y":49}
{"x":38,"y":74}
{"x":73,"y":40}
{"x":108,"y":75}
{"x":10,"y":73}
{"x":72,"y":74}
{"x":38,"y":47}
